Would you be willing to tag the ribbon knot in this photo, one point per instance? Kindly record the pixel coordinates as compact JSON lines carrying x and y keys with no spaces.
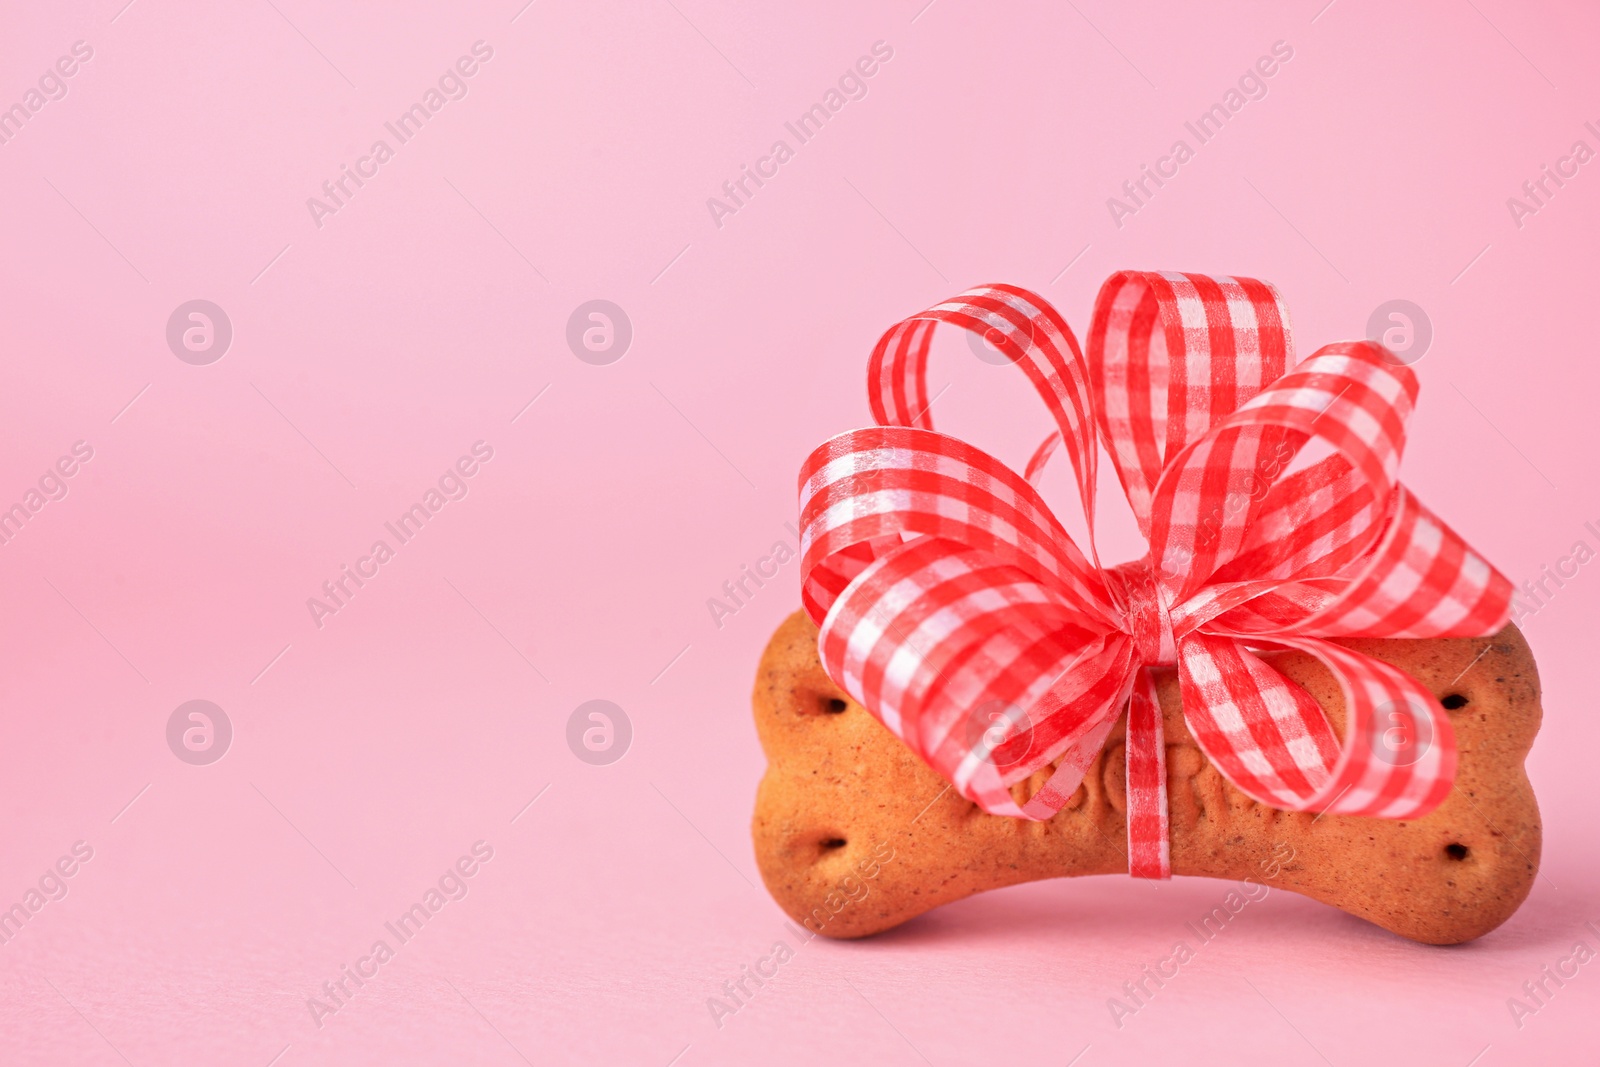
{"x":944,"y":587}
{"x":1148,"y":622}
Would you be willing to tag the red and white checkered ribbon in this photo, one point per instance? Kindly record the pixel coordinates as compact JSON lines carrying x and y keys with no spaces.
{"x":955,"y":607}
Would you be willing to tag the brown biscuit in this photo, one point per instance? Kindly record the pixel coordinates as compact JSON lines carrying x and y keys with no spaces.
{"x":854,"y":834}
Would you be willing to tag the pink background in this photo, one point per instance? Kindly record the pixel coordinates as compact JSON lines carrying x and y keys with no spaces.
{"x":369,"y":353}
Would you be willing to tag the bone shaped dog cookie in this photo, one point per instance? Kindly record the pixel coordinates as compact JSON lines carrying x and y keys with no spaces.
{"x":854,"y":834}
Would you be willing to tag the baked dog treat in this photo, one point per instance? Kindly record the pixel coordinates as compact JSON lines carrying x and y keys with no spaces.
{"x":854,"y":834}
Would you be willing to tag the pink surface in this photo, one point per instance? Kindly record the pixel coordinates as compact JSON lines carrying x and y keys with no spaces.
{"x":369,"y":353}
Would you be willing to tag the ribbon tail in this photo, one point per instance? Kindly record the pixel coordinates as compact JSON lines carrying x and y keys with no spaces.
{"x":1149,"y":849}
{"x":1075,"y":763}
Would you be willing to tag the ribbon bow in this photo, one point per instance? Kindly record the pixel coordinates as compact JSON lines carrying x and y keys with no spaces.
{"x":955,"y":607}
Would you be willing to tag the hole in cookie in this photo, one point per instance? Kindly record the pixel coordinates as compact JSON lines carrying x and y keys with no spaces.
{"x":820,"y":700}
{"x":1456,"y":851}
{"x":1453,"y":701}
{"x":831,"y":843}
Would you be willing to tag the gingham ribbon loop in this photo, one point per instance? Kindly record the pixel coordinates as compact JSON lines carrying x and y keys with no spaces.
{"x":1147,"y":620}
{"x":955,"y":607}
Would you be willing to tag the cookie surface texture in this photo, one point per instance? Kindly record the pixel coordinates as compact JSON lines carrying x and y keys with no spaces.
{"x":854,"y":834}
